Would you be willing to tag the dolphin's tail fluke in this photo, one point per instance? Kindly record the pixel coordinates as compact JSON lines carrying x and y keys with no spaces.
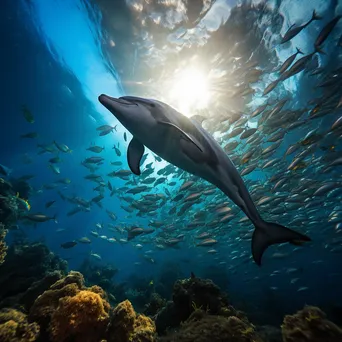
{"x":268,"y":233}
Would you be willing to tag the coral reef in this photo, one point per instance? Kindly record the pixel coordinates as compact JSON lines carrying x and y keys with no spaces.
{"x":62,"y":309}
{"x":83,"y":317}
{"x":27,"y":272}
{"x":21,"y":187}
{"x":3,"y":247}
{"x":14,"y":327}
{"x":310,"y":325}
{"x":69,"y":311}
{"x":126,"y":325}
{"x":201,"y":327}
{"x":189,"y":295}
{"x":155,"y":304}
{"x":9,"y":209}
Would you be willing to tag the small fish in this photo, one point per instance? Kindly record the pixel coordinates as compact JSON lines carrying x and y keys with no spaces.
{"x":55,"y":169}
{"x":95,"y":149}
{"x":93,"y":160}
{"x":69,"y":244}
{"x":55,"y":160}
{"x":292,"y":32}
{"x":5,"y":171}
{"x":96,"y":256}
{"x":84,"y":240}
{"x":326,"y":30}
{"x":23,"y":204}
{"x":27,"y":115}
{"x":207,"y":242}
{"x":31,"y":135}
{"x":39,"y":218}
{"x":49,"y":204}
{"x":289,"y":61}
{"x":110,"y":187}
{"x":117,"y":151}
{"x":116,"y":163}
{"x":63,"y":148}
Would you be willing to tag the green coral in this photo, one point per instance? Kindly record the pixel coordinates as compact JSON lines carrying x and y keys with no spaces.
{"x":310,"y":325}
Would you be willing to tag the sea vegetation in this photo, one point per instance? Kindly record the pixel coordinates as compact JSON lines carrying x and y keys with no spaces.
{"x":28,"y":271}
{"x":3,"y":247}
{"x":202,"y":327}
{"x":14,"y":327}
{"x":45,"y":304}
{"x":310,"y":325}
{"x":192,"y":294}
{"x":126,"y":325}
{"x":10,"y":208}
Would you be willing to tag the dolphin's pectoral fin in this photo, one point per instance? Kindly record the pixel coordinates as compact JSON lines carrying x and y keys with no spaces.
{"x":183,"y":134}
{"x":134,"y":154}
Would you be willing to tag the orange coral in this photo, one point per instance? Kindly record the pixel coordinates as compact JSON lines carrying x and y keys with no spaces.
{"x":70,"y":311}
{"x":127,"y":326}
{"x":79,"y":318}
{"x":15,"y":328}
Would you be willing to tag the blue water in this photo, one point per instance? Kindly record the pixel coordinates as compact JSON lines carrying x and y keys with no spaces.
{"x":55,"y":60}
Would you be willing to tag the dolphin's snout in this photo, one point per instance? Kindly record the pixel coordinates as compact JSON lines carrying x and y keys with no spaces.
{"x":109,"y":101}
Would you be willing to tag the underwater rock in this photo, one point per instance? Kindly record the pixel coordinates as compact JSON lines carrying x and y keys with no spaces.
{"x":24,"y":266}
{"x":189,"y":295}
{"x":125,"y":325}
{"x":28,"y":298}
{"x":21,"y":187}
{"x":9,"y":210}
{"x":198,"y":293}
{"x":310,"y":325}
{"x":14,"y":327}
{"x":201,"y":327}
{"x":3,"y":247}
{"x":155,"y":304}
{"x":101,"y":275}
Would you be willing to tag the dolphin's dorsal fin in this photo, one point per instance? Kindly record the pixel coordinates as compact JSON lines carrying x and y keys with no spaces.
{"x":198,"y":118}
{"x":134,"y":154}
{"x":183,"y":134}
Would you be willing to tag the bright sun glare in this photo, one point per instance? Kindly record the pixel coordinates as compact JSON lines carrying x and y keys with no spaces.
{"x":189,"y":91}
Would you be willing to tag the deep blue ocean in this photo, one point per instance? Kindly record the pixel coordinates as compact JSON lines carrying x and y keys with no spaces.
{"x":58,"y":56}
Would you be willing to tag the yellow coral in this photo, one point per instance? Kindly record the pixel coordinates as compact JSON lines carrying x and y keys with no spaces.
{"x":143,"y":330}
{"x":79,"y":318}
{"x":127,"y":326}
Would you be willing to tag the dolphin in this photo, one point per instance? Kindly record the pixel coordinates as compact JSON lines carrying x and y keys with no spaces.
{"x":183,"y":142}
